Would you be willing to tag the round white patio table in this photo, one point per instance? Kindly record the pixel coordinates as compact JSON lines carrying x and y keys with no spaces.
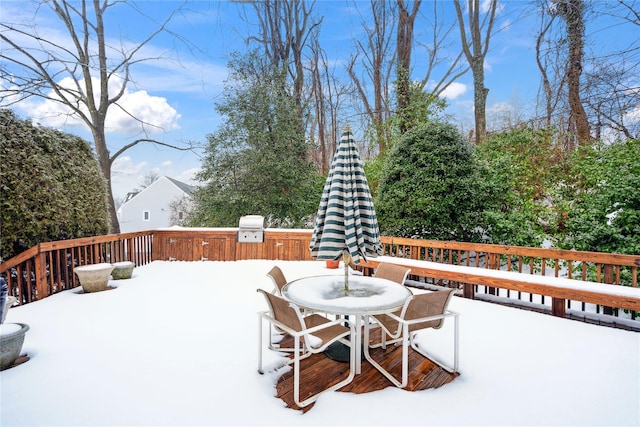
{"x":366,"y":296}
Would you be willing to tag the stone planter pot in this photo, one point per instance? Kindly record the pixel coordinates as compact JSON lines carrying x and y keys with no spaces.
{"x":7,"y":305}
{"x":94,"y":277}
{"x":11,"y":340}
{"x":122,"y":270}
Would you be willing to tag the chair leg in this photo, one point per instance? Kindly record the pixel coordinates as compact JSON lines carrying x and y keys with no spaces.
{"x":456,"y":340}
{"x":296,"y":374}
{"x":384,"y":342}
{"x":401,"y":383}
{"x":260,"y":320}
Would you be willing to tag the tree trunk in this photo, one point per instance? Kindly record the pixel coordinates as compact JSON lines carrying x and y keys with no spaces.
{"x":546,"y":83}
{"x":404,"y":46}
{"x":105,"y":166}
{"x":572,"y":11}
{"x":480,"y":94}
{"x":475,"y":51}
{"x":377,"y":63}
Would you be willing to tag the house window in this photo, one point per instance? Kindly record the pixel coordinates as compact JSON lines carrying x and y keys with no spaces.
{"x":145,"y":215}
{"x":180,"y":216}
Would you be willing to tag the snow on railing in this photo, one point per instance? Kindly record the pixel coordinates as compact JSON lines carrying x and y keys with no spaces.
{"x":48,"y":268}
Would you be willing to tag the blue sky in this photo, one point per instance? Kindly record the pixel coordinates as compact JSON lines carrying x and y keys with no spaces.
{"x":178,"y":93}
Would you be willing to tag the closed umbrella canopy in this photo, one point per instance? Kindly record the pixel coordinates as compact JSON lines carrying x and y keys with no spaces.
{"x":346,"y":222}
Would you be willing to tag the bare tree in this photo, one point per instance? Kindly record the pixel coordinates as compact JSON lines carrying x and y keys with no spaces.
{"x":44,"y":71}
{"x":611,"y":90}
{"x":284,"y":29}
{"x":549,"y":94}
{"x":376,"y":56}
{"x":434,"y":39}
{"x":404,"y":47}
{"x":627,"y":10}
{"x":329,"y":94}
{"x":439,"y":52}
{"x":475,"y":50}
{"x":318,"y":61}
{"x":572,"y":12}
{"x":148,"y":179}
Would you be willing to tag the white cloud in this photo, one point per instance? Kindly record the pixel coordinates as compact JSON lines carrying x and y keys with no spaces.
{"x":485,"y":6}
{"x":454,"y":90}
{"x":136,"y":112}
{"x":188,"y":176}
{"x":633,"y":116}
{"x":125,"y":176}
{"x":499,"y":108}
{"x":486,"y":65}
{"x":125,"y":166}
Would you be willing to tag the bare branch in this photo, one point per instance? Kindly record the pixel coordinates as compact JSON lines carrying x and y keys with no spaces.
{"x":84,"y":62}
{"x":154,"y":141}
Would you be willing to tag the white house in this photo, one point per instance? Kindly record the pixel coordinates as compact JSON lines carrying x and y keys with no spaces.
{"x":152,"y":208}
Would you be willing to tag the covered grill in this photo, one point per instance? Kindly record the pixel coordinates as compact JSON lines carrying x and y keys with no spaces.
{"x":251,"y":229}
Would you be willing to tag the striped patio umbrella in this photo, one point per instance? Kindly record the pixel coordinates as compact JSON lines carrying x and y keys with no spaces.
{"x":346,"y":224}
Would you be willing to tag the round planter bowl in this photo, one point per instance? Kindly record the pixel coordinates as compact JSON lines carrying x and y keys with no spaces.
{"x":7,"y":305}
{"x":94,"y":277}
{"x":11,"y":343}
{"x":122,"y":270}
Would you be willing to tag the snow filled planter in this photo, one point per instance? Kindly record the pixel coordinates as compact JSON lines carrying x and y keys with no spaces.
{"x":94,"y":277}
{"x":122,"y":270}
{"x":11,"y":340}
{"x":7,"y":305}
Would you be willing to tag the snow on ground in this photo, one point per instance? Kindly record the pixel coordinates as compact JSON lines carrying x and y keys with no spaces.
{"x":177,"y":345}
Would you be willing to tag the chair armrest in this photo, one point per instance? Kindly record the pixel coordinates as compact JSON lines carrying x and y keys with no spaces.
{"x":444,"y":315}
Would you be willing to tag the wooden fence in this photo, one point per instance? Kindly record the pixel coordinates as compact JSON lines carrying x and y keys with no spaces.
{"x":605,"y":268}
{"x":48,"y":268}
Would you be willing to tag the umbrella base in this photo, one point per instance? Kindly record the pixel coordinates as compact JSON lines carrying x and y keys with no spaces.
{"x":340,"y":352}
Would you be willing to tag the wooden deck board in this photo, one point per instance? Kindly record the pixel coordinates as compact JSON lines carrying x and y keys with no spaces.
{"x":318,"y":371}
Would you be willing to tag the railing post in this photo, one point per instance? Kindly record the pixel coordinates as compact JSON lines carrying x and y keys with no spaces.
{"x":467,"y":290}
{"x":608,"y":279}
{"x":42,"y":286}
{"x":558,"y":307}
{"x":131,"y":255}
{"x":493,"y":265}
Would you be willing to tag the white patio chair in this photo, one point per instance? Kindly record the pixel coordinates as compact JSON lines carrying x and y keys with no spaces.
{"x":420,"y":312}
{"x":394,"y":272}
{"x":277,"y":276}
{"x":311,"y":334}
{"x":279,"y":280}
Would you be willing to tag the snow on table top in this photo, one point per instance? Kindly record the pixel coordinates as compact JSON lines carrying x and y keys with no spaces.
{"x":367,"y":295}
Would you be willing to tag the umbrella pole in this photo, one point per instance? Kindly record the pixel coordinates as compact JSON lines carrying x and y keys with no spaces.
{"x":346,"y":260}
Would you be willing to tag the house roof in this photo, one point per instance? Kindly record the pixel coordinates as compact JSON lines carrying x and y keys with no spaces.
{"x":130,"y":195}
{"x":189,"y":189}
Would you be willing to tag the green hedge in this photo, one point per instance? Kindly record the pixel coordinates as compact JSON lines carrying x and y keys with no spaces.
{"x":51,"y":187}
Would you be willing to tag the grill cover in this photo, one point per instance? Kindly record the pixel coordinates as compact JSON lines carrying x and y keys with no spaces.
{"x":251,"y":229}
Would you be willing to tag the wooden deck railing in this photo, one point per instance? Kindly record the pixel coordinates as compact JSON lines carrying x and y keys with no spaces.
{"x":605,"y":268}
{"x":48,"y":268}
